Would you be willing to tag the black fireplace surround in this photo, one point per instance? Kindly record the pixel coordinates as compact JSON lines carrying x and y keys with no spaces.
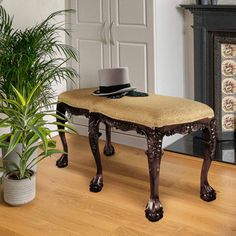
{"x":214,"y":26}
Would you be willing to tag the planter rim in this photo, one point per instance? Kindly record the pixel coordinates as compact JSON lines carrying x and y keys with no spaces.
{"x":6,"y":176}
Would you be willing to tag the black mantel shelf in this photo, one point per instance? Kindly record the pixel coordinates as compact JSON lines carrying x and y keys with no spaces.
{"x":220,"y":7}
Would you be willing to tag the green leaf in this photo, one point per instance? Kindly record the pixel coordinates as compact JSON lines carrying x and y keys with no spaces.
{"x":57,"y":116}
{"x":4,"y":137}
{"x":52,"y":143}
{"x":41,"y":134}
{"x":33,"y":92}
{"x":5,"y":124}
{"x":70,"y":127}
{"x":14,"y":140}
{"x":28,"y":152}
{"x":61,"y":130}
{"x":22,"y":99}
{"x":33,"y":139}
{"x":51,"y":152}
{"x":12,"y":102}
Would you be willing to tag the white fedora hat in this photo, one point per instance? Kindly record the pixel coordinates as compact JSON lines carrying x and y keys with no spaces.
{"x":113,"y":81}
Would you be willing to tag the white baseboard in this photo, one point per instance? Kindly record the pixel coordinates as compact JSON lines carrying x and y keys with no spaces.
{"x":129,"y":138}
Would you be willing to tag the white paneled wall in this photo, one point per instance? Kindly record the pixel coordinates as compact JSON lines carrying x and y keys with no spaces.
{"x":170,"y":70}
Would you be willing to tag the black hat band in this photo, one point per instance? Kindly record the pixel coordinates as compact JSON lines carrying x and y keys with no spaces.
{"x":114,"y":88}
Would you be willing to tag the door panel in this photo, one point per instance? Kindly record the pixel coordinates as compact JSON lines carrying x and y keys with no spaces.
{"x":90,"y":11}
{"x":90,"y":37}
{"x":132,"y":40}
{"x":91,"y":60}
{"x":134,"y":55}
{"x":136,"y":16}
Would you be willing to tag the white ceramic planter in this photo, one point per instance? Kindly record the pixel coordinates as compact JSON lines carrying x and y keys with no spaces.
{"x":19,"y":192}
{"x":13,"y":157}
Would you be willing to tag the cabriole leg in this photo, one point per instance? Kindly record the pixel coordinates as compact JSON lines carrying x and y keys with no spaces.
{"x":207,"y":193}
{"x":154,"y":210}
{"x":108,"y":149}
{"x":61,"y":111}
{"x":96,"y":183}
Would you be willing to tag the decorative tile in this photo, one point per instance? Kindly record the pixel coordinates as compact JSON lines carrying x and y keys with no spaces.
{"x":229,"y":68}
{"x":229,"y":104}
{"x":228,"y":50}
{"x":228,"y":122}
{"x":229,"y":86}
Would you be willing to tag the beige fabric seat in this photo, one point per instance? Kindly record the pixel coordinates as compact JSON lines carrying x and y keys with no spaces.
{"x":152,"y":111}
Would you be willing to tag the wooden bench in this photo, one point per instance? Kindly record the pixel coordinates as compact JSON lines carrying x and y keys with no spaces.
{"x":154,"y":116}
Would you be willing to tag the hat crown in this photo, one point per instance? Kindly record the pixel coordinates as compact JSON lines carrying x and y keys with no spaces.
{"x":113,"y":81}
{"x":113,"y":76}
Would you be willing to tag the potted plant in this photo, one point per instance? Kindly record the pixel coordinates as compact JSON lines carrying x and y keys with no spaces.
{"x":30,"y":61}
{"x":30,"y":56}
{"x":28,"y":126}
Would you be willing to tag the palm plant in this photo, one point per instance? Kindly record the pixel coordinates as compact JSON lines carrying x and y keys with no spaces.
{"x":30,"y":61}
{"x":33,"y":55}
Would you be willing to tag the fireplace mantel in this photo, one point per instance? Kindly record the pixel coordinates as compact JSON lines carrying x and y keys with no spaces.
{"x":214,"y":26}
{"x":214,"y":17}
{"x":209,"y":8}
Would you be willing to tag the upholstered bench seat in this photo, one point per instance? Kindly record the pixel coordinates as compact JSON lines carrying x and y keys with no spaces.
{"x":80,"y":98}
{"x":154,"y":117}
{"x":151,"y":111}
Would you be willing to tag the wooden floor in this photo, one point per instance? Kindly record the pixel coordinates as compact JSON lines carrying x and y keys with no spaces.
{"x":64,"y":205}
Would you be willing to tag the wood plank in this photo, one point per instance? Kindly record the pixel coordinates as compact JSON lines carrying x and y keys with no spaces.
{"x":64,"y":205}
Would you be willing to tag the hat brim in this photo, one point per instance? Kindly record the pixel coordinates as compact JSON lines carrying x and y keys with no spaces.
{"x":97,"y":92}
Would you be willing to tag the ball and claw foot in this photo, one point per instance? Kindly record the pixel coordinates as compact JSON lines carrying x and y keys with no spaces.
{"x":208,"y":194}
{"x":109,"y":150}
{"x":96,"y":184}
{"x":154,"y":210}
{"x":62,"y":161}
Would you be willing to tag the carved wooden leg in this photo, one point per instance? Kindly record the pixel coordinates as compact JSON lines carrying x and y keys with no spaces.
{"x":207,"y":193}
{"x":108,"y":149}
{"x":63,"y":160}
{"x":96,"y":183}
{"x":154,"y":210}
